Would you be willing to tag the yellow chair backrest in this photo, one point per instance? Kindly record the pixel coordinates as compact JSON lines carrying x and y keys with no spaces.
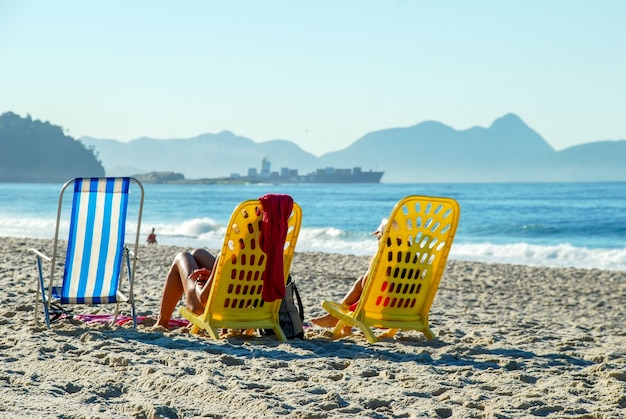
{"x":235,"y":299}
{"x":405,"y":273}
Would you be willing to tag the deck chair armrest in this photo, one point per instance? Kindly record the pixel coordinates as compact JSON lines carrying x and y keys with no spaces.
{"x":131,"y":254}
{"x":40,"y":254}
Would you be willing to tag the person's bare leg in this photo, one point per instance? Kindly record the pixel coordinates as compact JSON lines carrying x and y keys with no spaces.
{"x":203,"y":258}
{"x":176,"y":284}
{"x":328,"y":320}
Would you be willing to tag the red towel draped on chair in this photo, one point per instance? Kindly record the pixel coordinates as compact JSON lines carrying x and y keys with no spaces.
{"x":276,"y":211}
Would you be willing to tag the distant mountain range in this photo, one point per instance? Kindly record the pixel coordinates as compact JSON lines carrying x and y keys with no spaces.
{"x":507,"y":151}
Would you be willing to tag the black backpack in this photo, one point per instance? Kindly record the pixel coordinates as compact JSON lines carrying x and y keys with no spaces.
{"x":290,"y":316}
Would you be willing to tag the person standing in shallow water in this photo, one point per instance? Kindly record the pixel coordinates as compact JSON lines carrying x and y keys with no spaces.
{"x":354,"y":294}
{"x":151,"y":237}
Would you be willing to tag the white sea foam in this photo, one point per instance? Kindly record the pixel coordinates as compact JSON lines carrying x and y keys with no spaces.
{"x":336,"y":241}
{"x":27,"y":227}
{"x":201,"y":231}
{"x":562,"y":255}
{"x":206,"y":232}
{"x":195,"y":227}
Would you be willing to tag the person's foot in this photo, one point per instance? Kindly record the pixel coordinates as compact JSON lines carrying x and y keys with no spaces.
{"x":162,"y":323}
{"x":325,"y":321}
{"x":159,"y":328}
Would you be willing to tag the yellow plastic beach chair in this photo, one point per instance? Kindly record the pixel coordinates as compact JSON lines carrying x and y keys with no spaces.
{"x":235,"y":300}
{"x":405,"y":273}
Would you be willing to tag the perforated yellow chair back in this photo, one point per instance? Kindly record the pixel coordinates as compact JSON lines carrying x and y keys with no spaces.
{"x":235,"y":300}
{"x":405,"y":273}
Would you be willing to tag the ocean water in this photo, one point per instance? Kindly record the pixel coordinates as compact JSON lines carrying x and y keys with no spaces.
{"x":546,"y":224}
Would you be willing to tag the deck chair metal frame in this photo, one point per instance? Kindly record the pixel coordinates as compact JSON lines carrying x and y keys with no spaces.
{"x":405,"y":273}
{"x":235,"y":301}
{"x":96,"y":247}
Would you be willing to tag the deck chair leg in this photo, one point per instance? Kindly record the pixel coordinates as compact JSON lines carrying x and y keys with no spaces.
{"x":338,"y":329}
{"x":429,"y":333}
{"x":278,"y":331}
{"x":37,"y":294}
{"x":41,"y":293}
{"x":115,"y":314}
{"x":215,"y":334}
{"x":36,"y":308}
{"x":134,"y":314}
{"x":197,"y":323}
{"x":369,"y":335}
{"x":131,"y":296}
{"x":389,"y":333}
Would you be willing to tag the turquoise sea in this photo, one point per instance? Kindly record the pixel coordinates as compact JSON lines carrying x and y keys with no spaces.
{"x":548,"y":224}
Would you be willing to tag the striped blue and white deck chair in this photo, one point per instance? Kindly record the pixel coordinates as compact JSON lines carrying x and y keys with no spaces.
{"x":96,"y":247}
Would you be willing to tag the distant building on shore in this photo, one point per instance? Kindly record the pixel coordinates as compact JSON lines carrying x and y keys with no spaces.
{"x":326,"y":175}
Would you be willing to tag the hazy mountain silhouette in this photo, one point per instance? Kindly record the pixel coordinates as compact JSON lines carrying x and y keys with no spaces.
{"x":507,"y":151}
{"x":597,"y":161}
{"x":204,"y":156}
{"x":37,"y":151}
{"x":434,"y":152}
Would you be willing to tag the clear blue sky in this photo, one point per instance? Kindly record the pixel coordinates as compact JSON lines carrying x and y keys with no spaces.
{"x":319,"y":73}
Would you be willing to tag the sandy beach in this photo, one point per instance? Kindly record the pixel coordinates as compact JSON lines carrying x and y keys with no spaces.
{"x":511,"y":342}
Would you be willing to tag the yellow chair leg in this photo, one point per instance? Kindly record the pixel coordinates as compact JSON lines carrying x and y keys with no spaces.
{"x":389,"y":333}
{"x":429,"y":333}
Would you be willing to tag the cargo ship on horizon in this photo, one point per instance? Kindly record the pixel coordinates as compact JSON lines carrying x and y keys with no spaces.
{"x":326,"y":175}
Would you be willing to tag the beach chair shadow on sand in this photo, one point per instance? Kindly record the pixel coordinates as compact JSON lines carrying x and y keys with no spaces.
{"x":96,"y":249}
{"x":235,"y":300}
{"x":405,"y":272}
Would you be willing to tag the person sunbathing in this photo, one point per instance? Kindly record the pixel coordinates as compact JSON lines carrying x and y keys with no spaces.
{"x":190,"y":275}
{"x":354,"y":294}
